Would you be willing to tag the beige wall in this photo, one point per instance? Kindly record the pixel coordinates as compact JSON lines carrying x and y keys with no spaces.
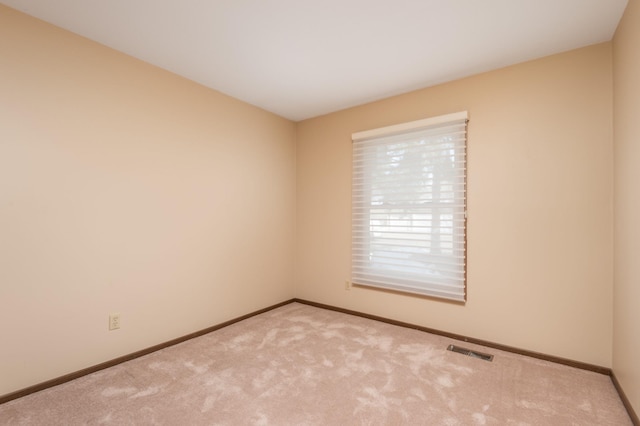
{"x":626,"y":335}
{"x":540,"y":182}
{"x":126,"y":188}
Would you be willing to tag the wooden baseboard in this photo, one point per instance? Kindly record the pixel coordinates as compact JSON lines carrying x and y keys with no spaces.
{"x":558,"y":360}
{"x":627,"y":404}
{"x":89,"y":370}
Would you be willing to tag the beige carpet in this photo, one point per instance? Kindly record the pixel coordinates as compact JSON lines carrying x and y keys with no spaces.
{"x":300,"y":365}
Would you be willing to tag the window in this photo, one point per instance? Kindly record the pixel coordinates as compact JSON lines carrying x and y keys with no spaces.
{"x":409,"y":207}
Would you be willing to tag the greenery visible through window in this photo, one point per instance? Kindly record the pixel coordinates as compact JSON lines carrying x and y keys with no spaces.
{"x":409,"y":209}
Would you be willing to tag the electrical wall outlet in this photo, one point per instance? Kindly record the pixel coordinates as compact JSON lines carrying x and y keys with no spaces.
{"x":114,"y":321}
{"x":347,"y":285}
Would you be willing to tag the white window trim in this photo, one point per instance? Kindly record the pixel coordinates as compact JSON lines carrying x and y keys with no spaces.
{"x":410,"y":126}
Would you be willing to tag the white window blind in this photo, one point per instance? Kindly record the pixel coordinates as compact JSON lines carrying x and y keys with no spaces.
{"x":409,"y":207}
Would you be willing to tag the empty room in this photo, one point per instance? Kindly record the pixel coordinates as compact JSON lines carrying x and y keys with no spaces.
{"x":312,"y":213}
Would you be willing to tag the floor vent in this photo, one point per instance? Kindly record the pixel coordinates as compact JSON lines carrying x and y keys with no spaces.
{"x":469,"y":352}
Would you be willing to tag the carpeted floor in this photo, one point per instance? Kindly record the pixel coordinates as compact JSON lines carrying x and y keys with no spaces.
{"x":301,"y":365}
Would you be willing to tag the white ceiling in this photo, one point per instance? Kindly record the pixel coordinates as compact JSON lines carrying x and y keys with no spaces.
{"x":304,"y":58}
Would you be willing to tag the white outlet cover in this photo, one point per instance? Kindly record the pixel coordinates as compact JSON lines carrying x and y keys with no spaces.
{"x":114,"y":321}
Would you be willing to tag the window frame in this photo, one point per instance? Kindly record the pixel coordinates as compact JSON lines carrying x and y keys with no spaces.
{"x":437,"y":285}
